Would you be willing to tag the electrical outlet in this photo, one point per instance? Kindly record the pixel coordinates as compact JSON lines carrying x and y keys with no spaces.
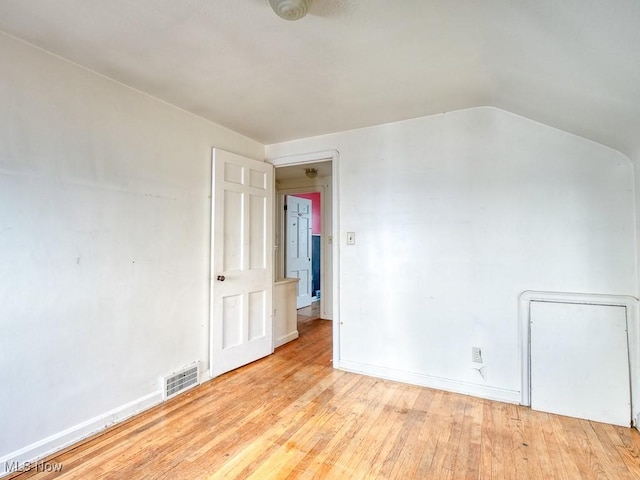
{"x":476,"y":354}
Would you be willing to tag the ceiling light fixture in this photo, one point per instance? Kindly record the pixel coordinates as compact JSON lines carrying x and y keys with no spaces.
{"x":290,"y":9}
{"x":311,"y":172}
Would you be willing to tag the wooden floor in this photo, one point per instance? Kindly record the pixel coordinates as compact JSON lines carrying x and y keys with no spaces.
{"x":292,"y":415}
{"x":312,"y":312}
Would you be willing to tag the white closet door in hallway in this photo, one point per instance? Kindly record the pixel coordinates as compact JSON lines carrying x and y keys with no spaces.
{"x":298,"y":247}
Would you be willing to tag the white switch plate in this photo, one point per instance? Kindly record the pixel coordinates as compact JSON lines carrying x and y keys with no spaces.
{"x":351,"y":238}
{"x":476,"y":354}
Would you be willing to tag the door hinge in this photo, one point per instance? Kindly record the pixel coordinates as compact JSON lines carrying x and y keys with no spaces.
{"x":285,"y":208}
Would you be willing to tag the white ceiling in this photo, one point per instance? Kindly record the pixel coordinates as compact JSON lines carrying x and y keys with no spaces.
{"x":572,"y":64}
{"x":298,"y":171}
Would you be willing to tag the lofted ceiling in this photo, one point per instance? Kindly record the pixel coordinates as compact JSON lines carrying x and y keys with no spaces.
{"x":572,"y":64}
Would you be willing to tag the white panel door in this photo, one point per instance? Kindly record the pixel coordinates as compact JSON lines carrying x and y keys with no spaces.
{"x":241,"y":261}
{"x":298,"y":247}
{"x":580,"y":361}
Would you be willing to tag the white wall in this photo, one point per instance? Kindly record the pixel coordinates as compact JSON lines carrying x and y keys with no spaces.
{"x":636,"y":176}
{"x":455,"y":216}
{"x":104,"y":247}
{"x":635,"y":359}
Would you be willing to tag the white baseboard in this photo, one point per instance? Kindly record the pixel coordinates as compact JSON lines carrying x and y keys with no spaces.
{"x":465,"y":388}
{"x":45,"y":447}
{"x":286,"y":339}
{"x":204,"y":376}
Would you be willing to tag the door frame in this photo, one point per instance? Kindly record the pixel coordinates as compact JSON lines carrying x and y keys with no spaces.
{"x":633,"y":337}
{"x":335,"y":240}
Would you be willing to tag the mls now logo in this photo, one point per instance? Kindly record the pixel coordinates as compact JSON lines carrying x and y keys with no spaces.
{"x":12,"y":467}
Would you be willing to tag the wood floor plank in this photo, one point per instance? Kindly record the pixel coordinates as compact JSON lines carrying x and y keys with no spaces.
{"x":292,"y":416}
{"x":359,"y":444}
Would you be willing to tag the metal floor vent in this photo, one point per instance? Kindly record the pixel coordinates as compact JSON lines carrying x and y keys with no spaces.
{"x":180,"y":381}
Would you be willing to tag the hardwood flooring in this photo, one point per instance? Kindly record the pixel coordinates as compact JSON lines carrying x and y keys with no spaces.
{"x":292,"y":416}
{"x":312,"y":312}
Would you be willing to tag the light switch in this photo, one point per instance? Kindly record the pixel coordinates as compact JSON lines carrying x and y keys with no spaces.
{"x":351,"y":238}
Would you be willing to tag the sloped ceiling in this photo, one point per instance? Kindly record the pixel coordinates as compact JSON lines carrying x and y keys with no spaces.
{"x":572,"y":64}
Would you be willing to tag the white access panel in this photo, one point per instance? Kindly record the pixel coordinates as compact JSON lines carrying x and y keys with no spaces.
{"x":580,"y":361}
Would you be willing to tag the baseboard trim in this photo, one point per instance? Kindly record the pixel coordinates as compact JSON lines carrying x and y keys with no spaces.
{"x":204,"y":376}
{"x":448,"y":385}
{"x":54,"y":443}
{"x":286,"y":339}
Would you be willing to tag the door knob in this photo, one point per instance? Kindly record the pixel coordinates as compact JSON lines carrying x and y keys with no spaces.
{"x":220,"y":278}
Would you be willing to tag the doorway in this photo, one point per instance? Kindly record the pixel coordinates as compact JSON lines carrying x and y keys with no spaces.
{"x":293,"y":186}
{"x":290,"y":178}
